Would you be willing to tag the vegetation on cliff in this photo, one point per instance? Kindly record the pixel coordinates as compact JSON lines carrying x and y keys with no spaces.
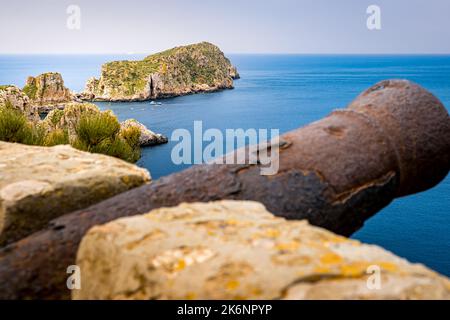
{"x":15,"y":127}
{"x":40,"y":95}
{"x":30,"y":89}
{"x":100,"y":133}
{"x":47,"y":89}
{"x":182,"y":70}
{"x":15,"y":98}
{"x":81,"y":125}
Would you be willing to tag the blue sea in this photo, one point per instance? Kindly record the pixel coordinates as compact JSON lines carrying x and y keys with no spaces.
{"x":284,"y":92}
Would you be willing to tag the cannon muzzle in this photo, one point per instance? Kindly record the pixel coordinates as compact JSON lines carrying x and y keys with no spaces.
{"x":417,"y":126}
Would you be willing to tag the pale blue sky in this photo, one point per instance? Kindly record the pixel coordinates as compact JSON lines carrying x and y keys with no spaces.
{"x":237,"y":26}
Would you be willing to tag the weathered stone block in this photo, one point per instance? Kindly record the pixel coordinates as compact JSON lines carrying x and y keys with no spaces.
{"x":238,"y":250}
{"x":38,"y":184}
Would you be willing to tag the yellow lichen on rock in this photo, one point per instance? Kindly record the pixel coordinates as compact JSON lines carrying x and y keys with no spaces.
{"x":238,"y":250}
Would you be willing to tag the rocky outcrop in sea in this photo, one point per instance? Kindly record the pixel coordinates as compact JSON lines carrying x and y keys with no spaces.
{"x":179,"y":71}
{"x":47,"y":91}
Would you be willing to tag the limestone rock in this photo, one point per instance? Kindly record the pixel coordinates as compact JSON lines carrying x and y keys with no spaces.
{"x":148,"y":137}
{"x":90,"y":90}
{"x":38,"y":184}
{"x":13,"y":96}
{"x":68,"y":118}
{"x":179,"y":71}
{"x":47,"y":91}
{"x":234,"y":73}
{"x":238,"y":250}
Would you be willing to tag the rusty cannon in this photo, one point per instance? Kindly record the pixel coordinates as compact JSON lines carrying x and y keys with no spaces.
{"x":391,"y":141}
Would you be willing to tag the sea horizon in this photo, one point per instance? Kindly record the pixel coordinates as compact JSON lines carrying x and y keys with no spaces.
{"x":234,"y":53}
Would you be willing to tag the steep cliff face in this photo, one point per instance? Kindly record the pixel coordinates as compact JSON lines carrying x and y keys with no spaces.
{"x":15,"y":98}
{"x":182,"y":70}
{"x":47,"y":91}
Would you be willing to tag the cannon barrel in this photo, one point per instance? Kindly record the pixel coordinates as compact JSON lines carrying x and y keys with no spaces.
{"x":337,"y":172}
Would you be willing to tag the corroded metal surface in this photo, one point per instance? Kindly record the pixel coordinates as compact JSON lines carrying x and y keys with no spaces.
{"x":391,"y":141}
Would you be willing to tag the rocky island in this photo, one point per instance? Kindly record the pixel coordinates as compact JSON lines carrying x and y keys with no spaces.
{"x":47,"y":91}
{"x":179,"y":71}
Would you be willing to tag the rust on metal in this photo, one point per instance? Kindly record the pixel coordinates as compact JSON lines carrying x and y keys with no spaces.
{"x":393,"y":140}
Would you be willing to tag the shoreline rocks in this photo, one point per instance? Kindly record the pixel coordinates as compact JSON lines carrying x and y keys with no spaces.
{"x":67,"y":119}
{"x":38,"y":184}
{"x":238,"y":250}
{"x":175,"y":72}
{"x":148,"y":138}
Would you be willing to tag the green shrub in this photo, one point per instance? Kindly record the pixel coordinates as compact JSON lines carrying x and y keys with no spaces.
{"x":131,"y":135}
{"x":95,"y":132}
{"x":13,"y":125}
{"x":119,"y":148}
{"x":94,"y":129}
{"x":56,"y":137}
{"x":54,"y":117}
{"x":99,"y":133}
{"x":37,"y":135}
{"x":30,"y":90}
